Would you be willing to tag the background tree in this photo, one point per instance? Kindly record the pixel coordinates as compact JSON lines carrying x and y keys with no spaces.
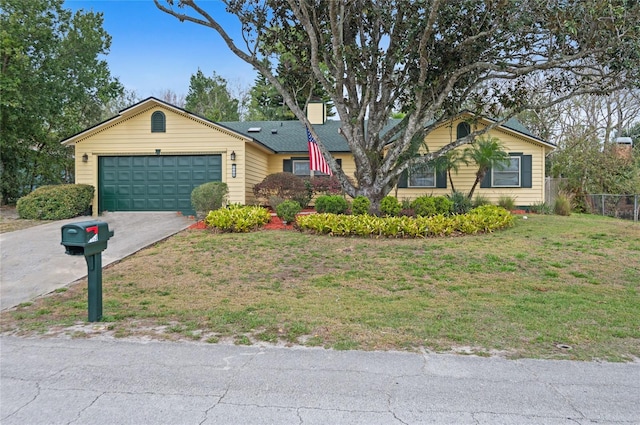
{"x":434,"y":58}
{"x":53,"y":84}
{"x":125,"y":99}
{"x":266,"y":103}
{"x":210,"y":98}
{"x":172,"y":97}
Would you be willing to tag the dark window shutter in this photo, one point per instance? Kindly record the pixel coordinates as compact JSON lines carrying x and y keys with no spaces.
{"x":287,"y":166}
{"x":403,"y":182}
{"x":526,"y":171}
{"x":339,"y":161}
{"x":486,"y":181}
{"x":158,"y":122}
{"x":441,"y":179}
{"x":463,"y":130}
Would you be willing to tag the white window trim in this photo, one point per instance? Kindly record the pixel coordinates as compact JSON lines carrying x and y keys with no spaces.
{"x":493,"y":170}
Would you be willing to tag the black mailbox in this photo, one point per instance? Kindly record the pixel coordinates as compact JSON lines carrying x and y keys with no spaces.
{"x":86,"y":237}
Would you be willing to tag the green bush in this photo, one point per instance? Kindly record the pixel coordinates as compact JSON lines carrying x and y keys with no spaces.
{"x":287,"y":186}
{"x":390,"y":207}
{"x":56,"y":202}
{"x":461,"y":203}
{"x":562,"y":205}
{"x":360,"y":205}
{"x":483,"y":219}
{"x":334,"y":204}
{"x":427,"y":206}
{"x":480,"y":200}
{"x":541,"y":208}
{"x":209,"y":197}
{"x":238,"y":218}
{"x":507,"y":202}
{"x":443,"y":205}
{"x":424,"y":206}
{"x":287,"y":211}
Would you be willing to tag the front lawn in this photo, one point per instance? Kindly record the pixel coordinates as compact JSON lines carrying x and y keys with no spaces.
{"x":550,"y":287}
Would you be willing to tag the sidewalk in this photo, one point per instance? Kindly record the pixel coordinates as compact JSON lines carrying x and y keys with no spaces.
{"x":92,"y":381}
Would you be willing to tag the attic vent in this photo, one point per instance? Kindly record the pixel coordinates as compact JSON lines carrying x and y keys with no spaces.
{"x":254,"y":129}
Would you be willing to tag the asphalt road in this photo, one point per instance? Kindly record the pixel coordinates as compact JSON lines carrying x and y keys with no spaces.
{"x":93,"y":381}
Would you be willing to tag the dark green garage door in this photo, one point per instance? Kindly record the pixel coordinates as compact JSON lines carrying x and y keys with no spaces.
{"x":153,"y":183}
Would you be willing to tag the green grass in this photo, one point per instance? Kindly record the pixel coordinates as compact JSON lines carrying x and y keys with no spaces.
{"x":548,"y":282}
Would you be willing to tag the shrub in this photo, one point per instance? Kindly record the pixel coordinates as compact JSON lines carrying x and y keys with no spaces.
{"x":238,"y":218}
{"x":274,"y":201}
{"x":56,"y":202}
{"x":424,"y":206}
{"x":483,"y":219}
{"x":209,"y":197}
{"x":326,"y":185}
{"x":287,"y":211}
{"x":390,"y":206}
{"x":562,"y":205}
{"x":360,"y":205}
{"x":461,"y":203}
{"x":541,"y":208}
{"x":507,"y":202}
{"x":480,"y":200}
{"x":443,"y":205}
{"x":334,"y":204}
{"x":287,"y":186}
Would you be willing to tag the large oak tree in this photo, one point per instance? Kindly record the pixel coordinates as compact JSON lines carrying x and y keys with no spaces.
{"x":433,"y":58}
{"x":54,"y":83}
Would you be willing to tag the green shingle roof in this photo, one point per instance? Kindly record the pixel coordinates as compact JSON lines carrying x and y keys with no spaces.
{"x":290,"y":136}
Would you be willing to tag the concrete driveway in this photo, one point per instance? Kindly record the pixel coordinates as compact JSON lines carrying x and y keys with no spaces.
{"x":34,"y":263}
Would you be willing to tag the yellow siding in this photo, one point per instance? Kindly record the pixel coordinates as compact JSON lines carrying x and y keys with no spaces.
{"x":256,"y":170}
{"x":275,"y":162}
{"x":184,"y":135}
{"x":465,"y":177}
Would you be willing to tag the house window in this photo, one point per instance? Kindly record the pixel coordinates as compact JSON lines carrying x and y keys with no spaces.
{"x":423,"y":176}
{"x":463,"y":130}
{"x":301,"y":168}
{"x":158,"y":122}
{"x":509,"y":176}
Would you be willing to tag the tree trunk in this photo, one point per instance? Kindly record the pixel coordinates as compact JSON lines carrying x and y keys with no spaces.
{"x":479,"y":176}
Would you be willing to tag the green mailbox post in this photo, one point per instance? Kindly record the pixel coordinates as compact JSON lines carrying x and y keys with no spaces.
{"x":89,"y":238}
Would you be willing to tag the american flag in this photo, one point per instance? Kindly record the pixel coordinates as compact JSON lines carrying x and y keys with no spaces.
{"x":316,"y":160}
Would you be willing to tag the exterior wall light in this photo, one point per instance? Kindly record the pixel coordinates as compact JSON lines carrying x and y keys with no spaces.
{"x":85,"y":158}
{"x":233,"y":170}
{"x":158,"y":151}
{"x":233,"y":156}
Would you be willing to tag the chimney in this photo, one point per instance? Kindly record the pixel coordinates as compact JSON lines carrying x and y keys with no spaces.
{"x":317,"y":112}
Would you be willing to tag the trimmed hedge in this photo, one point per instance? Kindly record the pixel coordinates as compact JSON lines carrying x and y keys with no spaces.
{"x":360,"y":205}
{"x":334,"y":204}
{"x":480,"y":220}
{"x":237,"y":218}
{"x":57,"y":202}
{"x":209,"y":197}
{"x":287,"y":211}
{"x":427,"y":206}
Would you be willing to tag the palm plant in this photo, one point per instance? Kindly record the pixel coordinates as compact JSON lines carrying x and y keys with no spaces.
{"x":487,"y":153}
{"x":450,"y":162}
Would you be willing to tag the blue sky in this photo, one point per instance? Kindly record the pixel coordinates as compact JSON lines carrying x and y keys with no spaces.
{"x":152,"y":51}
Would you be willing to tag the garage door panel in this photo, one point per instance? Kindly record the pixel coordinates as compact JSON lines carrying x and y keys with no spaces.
{"x":154,"y":176}
{"x":154,"y":189}
{"x":154,"y":183}
{"x":184,"y":189}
